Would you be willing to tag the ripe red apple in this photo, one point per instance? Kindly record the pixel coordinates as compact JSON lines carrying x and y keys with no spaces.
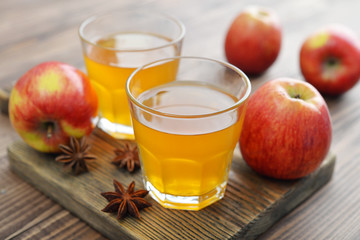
{"x":253,"y":40}
{"x":50,"y":103}
{"x":287,"y":129}
{"x":330,"y":59}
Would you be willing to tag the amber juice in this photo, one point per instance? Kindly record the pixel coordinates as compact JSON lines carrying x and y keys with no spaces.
{"x":187,"y":156}
{"x":109,"y":69}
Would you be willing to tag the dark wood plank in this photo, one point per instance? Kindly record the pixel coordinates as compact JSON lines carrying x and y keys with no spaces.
{"x":251,"y":205}
{"x":61,"y":225}
{"x":24,"y":211}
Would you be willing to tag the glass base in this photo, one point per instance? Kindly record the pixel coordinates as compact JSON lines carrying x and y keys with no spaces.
{"x":186,"y":202}
{"x":116,"y":130}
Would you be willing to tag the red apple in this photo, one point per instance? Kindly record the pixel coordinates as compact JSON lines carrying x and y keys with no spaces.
{"x":50,"y":103}
{"x":287,"y":129}
{"x":330,"y":59}
{"x":253,"y":40}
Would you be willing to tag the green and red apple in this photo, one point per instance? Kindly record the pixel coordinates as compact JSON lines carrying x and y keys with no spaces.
{"x":330,"y":59}
{"x":50,"y":103}
{"x":253,"y":40}
{"x":287,"y":129}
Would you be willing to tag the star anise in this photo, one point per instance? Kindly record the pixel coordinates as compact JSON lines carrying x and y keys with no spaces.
{"x":127,"y":157}
{"x":124,"y":202}
{"x":75,"y":155}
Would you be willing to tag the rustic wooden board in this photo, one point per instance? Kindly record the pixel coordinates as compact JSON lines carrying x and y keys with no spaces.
{"x":251,"y":204}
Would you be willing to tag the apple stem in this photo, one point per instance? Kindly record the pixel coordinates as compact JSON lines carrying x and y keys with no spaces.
{"x":332,"y":61}
{"x":49,"y":130}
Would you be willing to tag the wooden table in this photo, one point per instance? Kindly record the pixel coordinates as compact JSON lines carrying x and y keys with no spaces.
{"x":38,"y":30}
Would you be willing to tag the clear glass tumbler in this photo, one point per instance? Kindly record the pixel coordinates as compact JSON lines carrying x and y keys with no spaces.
{"x":114,"y":45}
{"x":187,"y":127}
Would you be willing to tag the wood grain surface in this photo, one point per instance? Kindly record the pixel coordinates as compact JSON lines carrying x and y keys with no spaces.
{"x":251,"y":204}
{"x":39,"y":30}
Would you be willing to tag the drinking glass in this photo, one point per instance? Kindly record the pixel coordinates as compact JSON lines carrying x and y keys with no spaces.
{"x":116,"y":43}
{"x":186,"y":126}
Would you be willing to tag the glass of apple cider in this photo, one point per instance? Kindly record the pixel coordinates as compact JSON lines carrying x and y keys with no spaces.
{"x":114,"y":45}
{"x":187,"y":127}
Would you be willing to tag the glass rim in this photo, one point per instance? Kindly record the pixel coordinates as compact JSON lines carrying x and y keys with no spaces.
{"x":171,"y":115}
{"x":92,"y":18}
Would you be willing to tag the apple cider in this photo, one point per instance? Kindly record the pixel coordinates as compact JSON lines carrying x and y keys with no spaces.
{"x":186,"y":155}
{"x":109,"y":69}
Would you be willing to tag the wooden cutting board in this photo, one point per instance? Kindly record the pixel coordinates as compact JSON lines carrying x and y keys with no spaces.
{"x":251,"y":204}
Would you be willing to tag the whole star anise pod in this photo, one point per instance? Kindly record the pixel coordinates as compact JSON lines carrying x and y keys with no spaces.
{"x":127,"y":157}
{"x":75,"y":155}
{"x":124,"y":202}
